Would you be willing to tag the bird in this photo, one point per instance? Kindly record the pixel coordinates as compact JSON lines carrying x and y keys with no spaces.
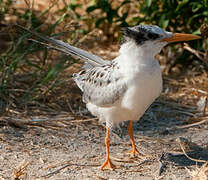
{"x":122,"y":89}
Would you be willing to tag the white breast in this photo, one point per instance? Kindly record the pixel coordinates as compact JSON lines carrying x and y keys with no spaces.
{"x":144,"y":83}
{"x":143,"y":89}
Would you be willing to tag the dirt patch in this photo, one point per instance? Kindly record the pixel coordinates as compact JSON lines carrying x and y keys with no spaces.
{"x":64,"y":146}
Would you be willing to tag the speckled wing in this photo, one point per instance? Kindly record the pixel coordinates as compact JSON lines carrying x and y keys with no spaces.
{"x":102,"y":86}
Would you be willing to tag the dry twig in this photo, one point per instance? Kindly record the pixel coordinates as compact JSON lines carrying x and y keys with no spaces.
{"x":21,"y":171}
{"x":51,"y":119}
{"x":56,"y":171}
{"x":198,"y":54}
{"x":183,"y":149}
{"x":193,"y":124}
{"x":63,"y":167}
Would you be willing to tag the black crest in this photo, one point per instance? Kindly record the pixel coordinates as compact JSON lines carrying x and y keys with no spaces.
{"x":139,"y":34}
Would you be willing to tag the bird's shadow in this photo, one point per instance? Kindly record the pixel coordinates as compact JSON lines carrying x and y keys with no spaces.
{"x":181,"y":160}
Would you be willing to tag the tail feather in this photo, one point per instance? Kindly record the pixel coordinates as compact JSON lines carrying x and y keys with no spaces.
{"x":92,"y":59}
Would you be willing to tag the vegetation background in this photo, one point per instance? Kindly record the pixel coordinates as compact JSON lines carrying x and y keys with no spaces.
{"x":28,"y":74}
{"x":35,"y":81}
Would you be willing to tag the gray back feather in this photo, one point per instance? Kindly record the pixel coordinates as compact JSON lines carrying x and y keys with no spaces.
{"x":102,"y":86}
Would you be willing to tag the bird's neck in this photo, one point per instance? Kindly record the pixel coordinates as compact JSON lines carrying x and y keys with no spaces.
{"x":143,"y":54}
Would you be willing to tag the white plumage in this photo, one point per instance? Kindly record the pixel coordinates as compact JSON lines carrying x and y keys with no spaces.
{"x":124,"y":88}
{"x":135,"y":79}
{"x":142,"y":81}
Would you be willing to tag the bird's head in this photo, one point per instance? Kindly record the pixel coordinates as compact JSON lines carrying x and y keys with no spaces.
{"x":153,"y":38}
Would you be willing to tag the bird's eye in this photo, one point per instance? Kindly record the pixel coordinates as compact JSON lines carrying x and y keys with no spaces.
{"x":152,"y":36}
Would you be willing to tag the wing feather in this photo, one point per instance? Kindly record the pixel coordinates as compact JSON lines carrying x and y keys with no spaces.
{"x":102,"y":86}
{"x":92,"y":59}
{"x":101,"y":81}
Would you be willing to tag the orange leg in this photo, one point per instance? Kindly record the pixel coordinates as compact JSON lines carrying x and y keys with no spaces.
{"x":134,"y":150}
{"x":107,"y":164}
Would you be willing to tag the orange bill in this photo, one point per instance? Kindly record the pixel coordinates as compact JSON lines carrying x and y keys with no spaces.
{"x":180,"y":37}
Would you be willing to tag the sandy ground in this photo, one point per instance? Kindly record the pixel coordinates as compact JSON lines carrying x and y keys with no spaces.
{"x":76,"y":149}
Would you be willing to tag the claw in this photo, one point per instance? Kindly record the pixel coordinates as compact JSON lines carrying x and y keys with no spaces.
{"x":134,"y":152}
{"x":108,"y":165}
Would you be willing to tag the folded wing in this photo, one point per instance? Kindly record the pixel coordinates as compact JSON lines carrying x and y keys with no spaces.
{"x":102,"y":86}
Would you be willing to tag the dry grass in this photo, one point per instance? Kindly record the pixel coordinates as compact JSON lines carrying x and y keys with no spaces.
{"x":21,"y":172}
{"x":200,"y":173}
